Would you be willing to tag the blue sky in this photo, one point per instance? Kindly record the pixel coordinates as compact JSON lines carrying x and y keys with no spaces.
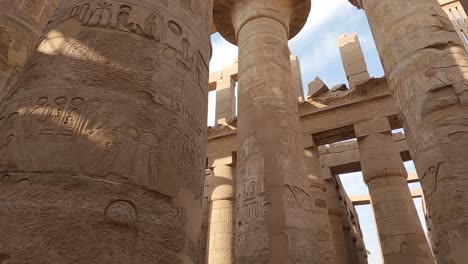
{"x":317,"y":49}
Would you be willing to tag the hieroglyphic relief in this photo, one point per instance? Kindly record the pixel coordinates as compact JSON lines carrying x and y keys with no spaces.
{"x":119,"y":229}
{"x":120,"y":15}
{"x":134,"y":153}
{"x":120,"y":105}
{"x":15,"y":45}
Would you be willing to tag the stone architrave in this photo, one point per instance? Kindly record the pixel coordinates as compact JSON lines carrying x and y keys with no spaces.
{"x":21,"y":25}
{"x":102,"y":143}
{"x":273,"y":192}
{"x":222,"y":216}
{"x":426,"y":67}
{"x":401,"y":235}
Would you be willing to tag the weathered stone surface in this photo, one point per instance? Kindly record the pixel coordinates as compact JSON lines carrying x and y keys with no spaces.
{"x":339,"y":88}
{"x":296,"y":78}
{"x":425,"y":64}
{"x":21,"y":25}
{"x":401,"y":235}
{"x":320,"y":222}
{"x":225,"y":100}
{"x":273,"y":193}
{"x":353,"y":59}
{"x":316,"y":87}
{"x":222,"y":217}
{"x":102,"y":143}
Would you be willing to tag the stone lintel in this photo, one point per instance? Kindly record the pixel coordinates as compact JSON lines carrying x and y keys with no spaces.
{"x":221,"y":159}
{"x":372,"y":127}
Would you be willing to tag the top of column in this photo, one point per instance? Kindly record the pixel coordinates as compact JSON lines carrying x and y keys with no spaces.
{"x":356,"y":3}
{"x":231,"y":15}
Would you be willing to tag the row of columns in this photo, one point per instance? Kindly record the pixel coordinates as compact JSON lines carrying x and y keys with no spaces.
{"x":108,"y":144}
{"x":401,"y":235}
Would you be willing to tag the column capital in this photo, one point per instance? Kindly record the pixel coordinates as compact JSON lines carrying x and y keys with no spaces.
{"x":356,"y":3}
{"x":230,"y":16}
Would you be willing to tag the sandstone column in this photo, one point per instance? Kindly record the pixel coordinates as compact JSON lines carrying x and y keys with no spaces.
{"x":222,"y":224}
{"x":206,"y":216}
{"x":335,"y":218}
{"x":21,"y":24}
{"x":401,"y":235}
{"x":102,"y":143}
{"x":273,"y":219}
{"x":426,"y":67}
{"x":320,"y":222}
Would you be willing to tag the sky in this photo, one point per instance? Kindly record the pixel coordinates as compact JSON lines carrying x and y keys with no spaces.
{"x":317,"y":49}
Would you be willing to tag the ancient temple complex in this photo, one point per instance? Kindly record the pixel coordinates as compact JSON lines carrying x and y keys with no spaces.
{"x":106,"y":156}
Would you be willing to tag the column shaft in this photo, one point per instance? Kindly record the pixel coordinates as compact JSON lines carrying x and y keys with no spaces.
{"x":336,"y":226}
{"x":401,"y":235}
{"x":425,"y":64}
{"x":274,"y":202}
{"x":221,"y":230}
{"x":21,"y":25}
{"x":102,"y":143}
{"x":320,"y":223}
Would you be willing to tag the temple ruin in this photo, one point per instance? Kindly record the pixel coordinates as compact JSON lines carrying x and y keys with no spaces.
{"x":105,"y":155}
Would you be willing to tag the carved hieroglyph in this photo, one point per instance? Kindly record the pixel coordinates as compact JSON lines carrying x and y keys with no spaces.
{"x":21,"y":24}
{"x":401,"y":235}
{"x":426,"y":66}
{"x":274,"y":204}
{"x":102,"y":143}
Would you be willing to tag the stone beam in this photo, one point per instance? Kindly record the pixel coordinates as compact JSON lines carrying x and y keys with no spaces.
{"x":366,"y":200}
{"x":331,"y":120}
{"x":344,"y":157}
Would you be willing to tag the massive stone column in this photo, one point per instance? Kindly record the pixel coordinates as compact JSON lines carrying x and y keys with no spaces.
{"x":206,"y":216}
{"x":426,"y":67}
{"x":21,"y":25}
{"x":222,"y":217}
{"x":102,"y":142}
{"x":336,"y":226}
{"x":320,"y":222}
{"x":401,"y":234}
{"x":273,"y":219}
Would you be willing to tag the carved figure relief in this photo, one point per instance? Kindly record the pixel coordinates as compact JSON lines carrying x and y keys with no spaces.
{"x":5,"y":42}
{"x":15,"y":45}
